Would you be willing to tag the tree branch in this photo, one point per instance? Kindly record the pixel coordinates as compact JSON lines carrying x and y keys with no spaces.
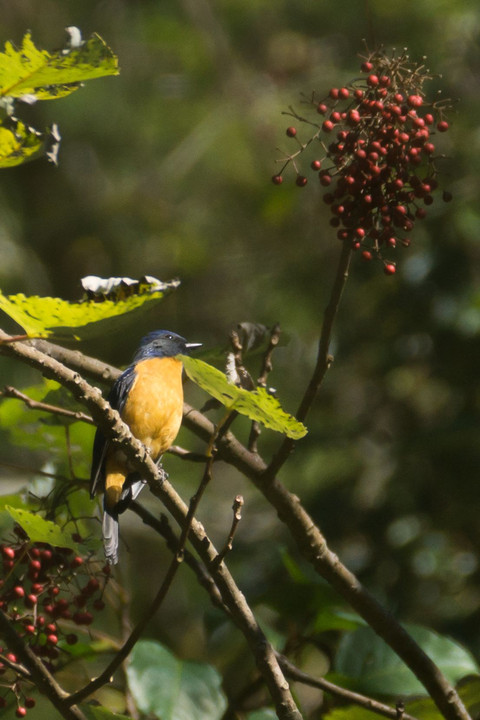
{"x":39,"y":674}
{"x":313,"y":547}
{"x":116,"y":430}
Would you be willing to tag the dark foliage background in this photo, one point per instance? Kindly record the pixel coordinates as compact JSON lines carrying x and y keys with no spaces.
{"x":166,"y":170}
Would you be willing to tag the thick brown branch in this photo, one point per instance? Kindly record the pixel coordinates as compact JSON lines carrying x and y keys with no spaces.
{"x":312,"y":545}
{"x":114,"y":428}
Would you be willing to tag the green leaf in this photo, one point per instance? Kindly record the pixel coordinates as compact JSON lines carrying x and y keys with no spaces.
{"x":40,"y":530}
{"x":95,"y":712}
{"x":264,"y":714}
{"x":173,"y":689}
{"x":20,"y":143}
{"x":44,"y":76}
{"x":257,"y":405}
{"x":376,"y":669}
{"x":48,"y":316}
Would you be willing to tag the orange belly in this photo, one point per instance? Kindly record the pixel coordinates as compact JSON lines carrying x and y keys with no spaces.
{"x":153,"y":411}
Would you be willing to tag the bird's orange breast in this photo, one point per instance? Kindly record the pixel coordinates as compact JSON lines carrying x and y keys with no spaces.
{"x":154,"y":406}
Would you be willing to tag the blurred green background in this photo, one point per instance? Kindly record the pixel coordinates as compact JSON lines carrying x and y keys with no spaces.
{"x":165,"y":170}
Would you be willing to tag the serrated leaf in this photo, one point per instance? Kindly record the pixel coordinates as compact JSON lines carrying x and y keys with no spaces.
{"x":257,"y":405}
{"x":43,"y":75}
{"x":40,"y":530}
{"x":376,"y":669}
{"x":49,"y":316}
{"x":173,"y":689}
{"x":20,"y":143}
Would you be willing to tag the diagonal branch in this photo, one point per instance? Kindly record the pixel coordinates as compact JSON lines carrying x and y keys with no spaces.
{"x":310,"y":542}
{"x":115,"y":429}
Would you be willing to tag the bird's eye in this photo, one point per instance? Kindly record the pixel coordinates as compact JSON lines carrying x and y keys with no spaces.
{"x":169,"y":337}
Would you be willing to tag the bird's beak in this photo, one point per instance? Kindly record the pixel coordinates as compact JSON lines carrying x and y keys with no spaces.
{"x":191,"y":346}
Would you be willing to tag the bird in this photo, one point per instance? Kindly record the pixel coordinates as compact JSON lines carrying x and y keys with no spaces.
{"x":149,"y":398}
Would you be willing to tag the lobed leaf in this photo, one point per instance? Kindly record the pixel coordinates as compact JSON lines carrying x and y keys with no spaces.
{"x":257,"y":405}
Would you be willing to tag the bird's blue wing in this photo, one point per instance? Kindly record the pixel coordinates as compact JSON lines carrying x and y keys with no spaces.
{"x":117,"y":398}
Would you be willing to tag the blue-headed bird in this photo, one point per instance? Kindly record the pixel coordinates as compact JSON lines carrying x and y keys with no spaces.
{"x":149,"y":397}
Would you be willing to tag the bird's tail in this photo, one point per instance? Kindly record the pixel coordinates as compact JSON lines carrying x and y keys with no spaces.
{"x":110,"y":535}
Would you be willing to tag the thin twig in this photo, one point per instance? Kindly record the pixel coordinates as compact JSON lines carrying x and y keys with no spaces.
{"x":266,"y":369}
{"x":11,"y":392}
{"x":324,"y":359}
{"x":237,"y":516}
{"x":364,"y":701}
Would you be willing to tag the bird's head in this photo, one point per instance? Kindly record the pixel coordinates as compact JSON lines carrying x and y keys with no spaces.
{"x":163,"y":343}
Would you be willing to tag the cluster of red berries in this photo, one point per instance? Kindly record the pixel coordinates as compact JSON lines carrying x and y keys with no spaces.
{"x":45,"y":592}
{"x":379,"y":167}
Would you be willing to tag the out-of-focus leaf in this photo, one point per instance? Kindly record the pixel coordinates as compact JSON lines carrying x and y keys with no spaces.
{"x":42,"y":75}
{"x":264,"y":714}
{"x":173,"y":689}
{"x":376,"y":669}
{"x":257,"y":405}
{"x":20,"y":143}
{"x":48,"y":316}
{"x":95,"y":712}
{"x":40,"y":530}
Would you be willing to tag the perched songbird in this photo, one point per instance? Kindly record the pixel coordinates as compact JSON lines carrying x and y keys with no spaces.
{"x":149,"y":398}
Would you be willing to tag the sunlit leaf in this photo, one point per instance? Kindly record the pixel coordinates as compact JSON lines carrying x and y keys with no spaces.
{"x":173,"y":689}
{"x":42,"y":75}
{"x":49,"y":316}
{"x":257,"y":405}
{"x":40,"y":530}
{"x":20,"y":143}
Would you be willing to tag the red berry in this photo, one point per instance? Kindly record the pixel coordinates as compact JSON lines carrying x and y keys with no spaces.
{"x":389,"y":269}
{"x":442,"y":126}
{"x":366,"y":66}
{"x":20,"y":712}
{"x":334,"y":93}
{"x":277,"y":179}
{"x":429,"y":119}
{"x":31,"y":600}
{"x":291,"y":131}
{"x":358,"y":94}
{"x":18,"y":591}
{"x":76,"y":562}
{"x":10,"y":656}
{"x":52,"y":639}
{"x":415,"y":100}
{"x":8,"y":552}
{"x":322,"y":108}
{"x":316,"y":164}
{"x":301,"y":181}
{"x":372,"y":80}
{"x":29,"y":702}
{"x":344,"y":93}
{"x":327,"y":126}
{"x":366,"y":255}
{"x":30,"y":629}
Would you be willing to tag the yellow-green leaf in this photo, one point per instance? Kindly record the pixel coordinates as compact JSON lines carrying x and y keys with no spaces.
{"x":49,"y":316}
{"x":40,"y":530}
{"x":43,"y":75}
{"x":20,"y":143}
{"x":257,"y":405}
